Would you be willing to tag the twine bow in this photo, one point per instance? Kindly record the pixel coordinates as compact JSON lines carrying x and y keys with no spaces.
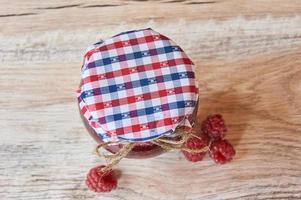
{"x":166,"y":143}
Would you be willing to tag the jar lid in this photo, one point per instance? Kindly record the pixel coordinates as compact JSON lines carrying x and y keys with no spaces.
{"x":137,"y":86}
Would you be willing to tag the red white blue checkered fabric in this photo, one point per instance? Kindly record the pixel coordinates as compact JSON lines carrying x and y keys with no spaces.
{"x":137,"y":86}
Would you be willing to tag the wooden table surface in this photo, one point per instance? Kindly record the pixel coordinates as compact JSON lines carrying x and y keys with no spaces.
{"x":248,"y":58}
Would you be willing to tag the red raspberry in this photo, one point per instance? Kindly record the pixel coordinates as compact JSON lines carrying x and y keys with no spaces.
{"x":221,"y":151}
{"x":214,"y":126}
{"x":195,"y":143}
{"x":99,"y":181}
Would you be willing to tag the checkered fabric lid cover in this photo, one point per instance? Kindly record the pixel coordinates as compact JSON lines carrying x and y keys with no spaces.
{"x":137,"y":86}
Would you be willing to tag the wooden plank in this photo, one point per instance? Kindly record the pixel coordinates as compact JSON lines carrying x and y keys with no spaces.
{"x":248,"y":58}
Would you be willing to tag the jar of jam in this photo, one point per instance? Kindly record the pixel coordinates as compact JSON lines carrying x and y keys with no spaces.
{"x":135,"y":87}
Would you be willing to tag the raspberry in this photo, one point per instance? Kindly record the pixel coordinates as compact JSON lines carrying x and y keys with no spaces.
{"x":214,"y":126}
{"x":195,"y":143}
{"x":221,"y":151}
{"x":99,"y":181}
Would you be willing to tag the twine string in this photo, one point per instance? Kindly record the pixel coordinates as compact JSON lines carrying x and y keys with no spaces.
{"x":115,"y":158}
{"x":164,"y":142}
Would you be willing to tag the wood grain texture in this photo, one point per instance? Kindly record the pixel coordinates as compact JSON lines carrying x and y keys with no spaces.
{"x":248,"y":58}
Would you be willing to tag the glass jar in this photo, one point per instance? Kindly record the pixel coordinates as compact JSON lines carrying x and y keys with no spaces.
{"x":138,"y":60}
